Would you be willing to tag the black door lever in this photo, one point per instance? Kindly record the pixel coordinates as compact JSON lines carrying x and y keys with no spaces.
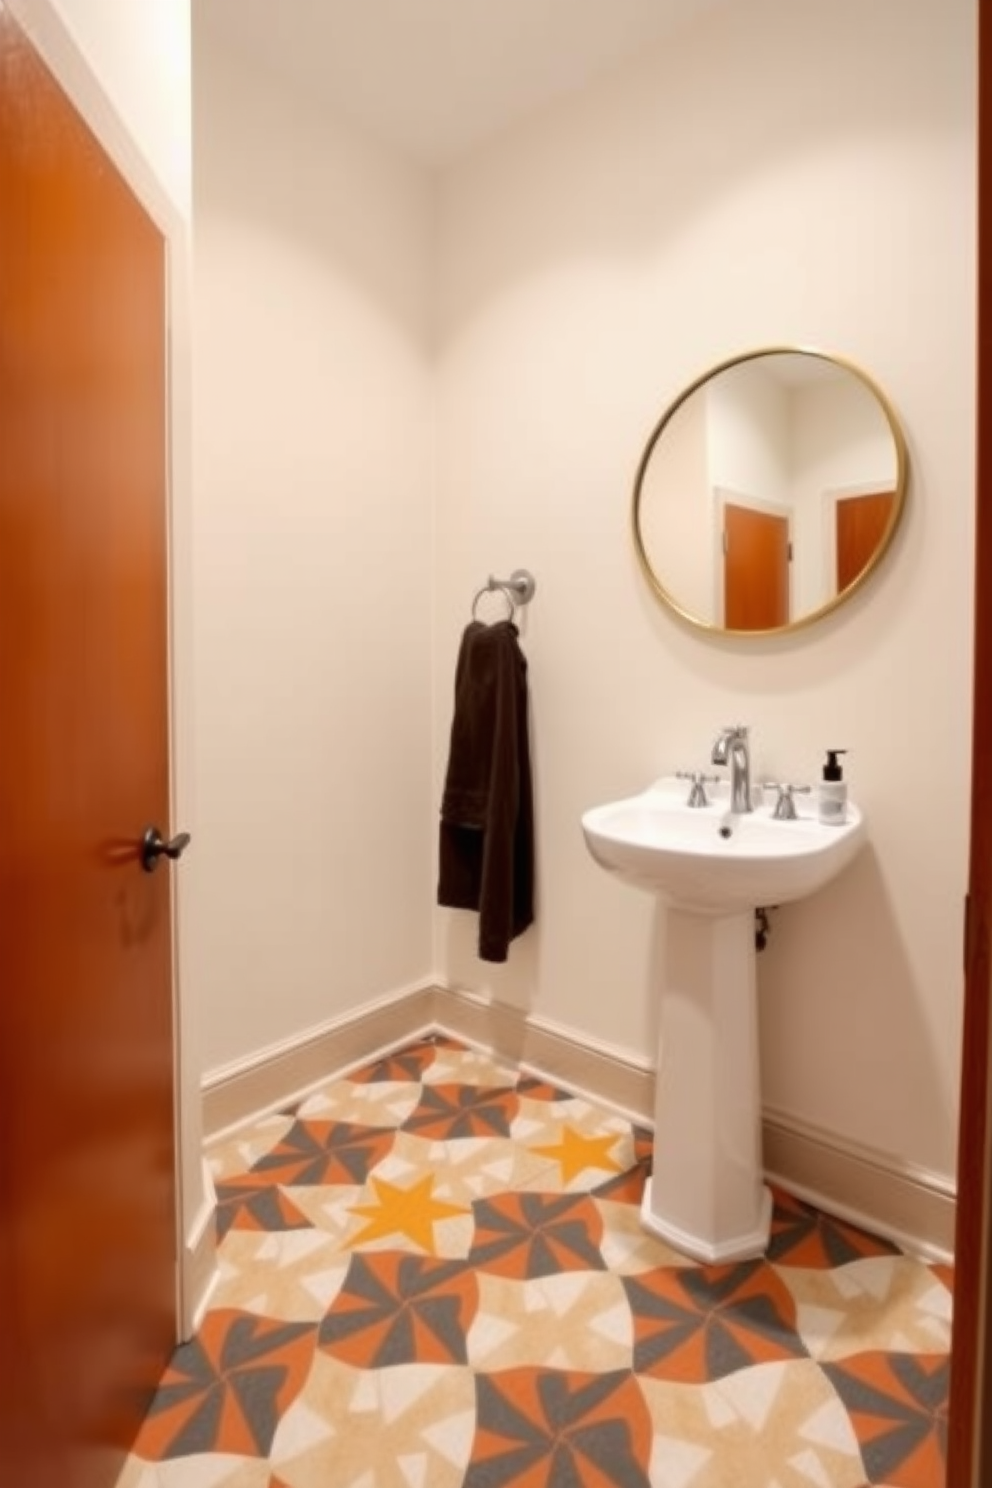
{"x":154,"y":847}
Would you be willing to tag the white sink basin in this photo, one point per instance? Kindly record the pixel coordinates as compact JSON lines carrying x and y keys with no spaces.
{"x":709,"y":861}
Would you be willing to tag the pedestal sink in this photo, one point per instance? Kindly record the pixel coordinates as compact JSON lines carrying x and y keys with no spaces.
{"x":712,"y":869}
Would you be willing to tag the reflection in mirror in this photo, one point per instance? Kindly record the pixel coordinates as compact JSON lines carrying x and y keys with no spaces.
{"x":769,"y":491}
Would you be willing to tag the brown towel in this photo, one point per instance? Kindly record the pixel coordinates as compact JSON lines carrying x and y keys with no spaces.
{"x":487,"y":812}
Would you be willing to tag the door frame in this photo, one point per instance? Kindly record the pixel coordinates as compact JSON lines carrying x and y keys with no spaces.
{"x":970,"y":1425}
{"x":55,"y":44}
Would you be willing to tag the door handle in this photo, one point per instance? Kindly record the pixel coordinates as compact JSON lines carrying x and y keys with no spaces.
{"x":154,"y":847}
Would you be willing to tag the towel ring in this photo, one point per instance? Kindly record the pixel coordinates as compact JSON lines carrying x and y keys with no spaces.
{"x":518,"y":589}
{"x":493,"y":588}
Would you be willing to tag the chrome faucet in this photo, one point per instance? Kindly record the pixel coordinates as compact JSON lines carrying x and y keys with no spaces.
{"x":731,"y":748}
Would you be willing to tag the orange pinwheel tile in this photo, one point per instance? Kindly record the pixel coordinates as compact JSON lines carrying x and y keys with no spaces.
{"x":696,"y":1324}
{"x":545,"y":1427}
{"x":448,"y":1112}
{"x":402,"y":1065}
{"x":325,"y":1152}
{"x":532,"y":1087}
{"x":526,"y":1235}
{"x":804,"y":1236}
{"x":625,"y":1188}
{"x":226,"y":1390}
{"x":897,"y":1403}
{"x":254,"y":1203}
{"x":397,"y":1308}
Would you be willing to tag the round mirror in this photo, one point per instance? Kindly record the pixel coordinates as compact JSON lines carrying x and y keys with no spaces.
{"x":769,"y":491}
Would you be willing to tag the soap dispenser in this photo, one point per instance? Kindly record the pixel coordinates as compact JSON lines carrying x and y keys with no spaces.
{"x":833,"y":791}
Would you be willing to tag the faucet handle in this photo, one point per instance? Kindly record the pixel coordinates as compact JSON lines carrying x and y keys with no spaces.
{"x":697,"y":791}
{"x":785,"y":805}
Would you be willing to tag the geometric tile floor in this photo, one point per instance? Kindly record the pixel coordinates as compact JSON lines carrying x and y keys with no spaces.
{"x":433,"y":1275}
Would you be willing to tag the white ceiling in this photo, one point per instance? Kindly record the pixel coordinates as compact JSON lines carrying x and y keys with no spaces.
{"x":435,"y":78}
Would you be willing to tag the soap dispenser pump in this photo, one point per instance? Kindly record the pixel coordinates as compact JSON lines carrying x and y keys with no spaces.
{"x":833,"y":791}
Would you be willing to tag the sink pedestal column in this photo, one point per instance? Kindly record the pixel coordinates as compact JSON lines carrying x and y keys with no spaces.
{"x":706,"y":1196}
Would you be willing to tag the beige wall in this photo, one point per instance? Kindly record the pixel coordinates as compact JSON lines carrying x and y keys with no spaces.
{"x":313,"y":443}
{"x":781,"y":174}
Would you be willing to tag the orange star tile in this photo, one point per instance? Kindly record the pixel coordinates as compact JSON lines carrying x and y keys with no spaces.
{"x":412,"y":1212}
{"x":576,"y":1152}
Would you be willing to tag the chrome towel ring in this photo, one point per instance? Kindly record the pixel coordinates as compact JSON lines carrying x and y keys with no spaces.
{"x":518,"y":589}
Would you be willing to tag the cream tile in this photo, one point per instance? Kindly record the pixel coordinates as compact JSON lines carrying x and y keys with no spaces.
{"x":234,"y":1155}
{"x":214,"y":1470}
{"x":138,"y":1474}
{"x":374,"y":1103}
{"x":469,"y":1168}
{"x":290,"y":1274}
{"x":327,"y":1208}
{"x":627,"y":1247}
{"x":883,"y":1302}
{"x":469,"y":1067}
{"x":777,"y":1425}
{"x":537,"y":1120}
{"x":384,"y":1428}
{"x":579,"y":1320}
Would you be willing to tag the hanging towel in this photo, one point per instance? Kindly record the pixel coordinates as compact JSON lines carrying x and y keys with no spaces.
{"x":487,"y":812}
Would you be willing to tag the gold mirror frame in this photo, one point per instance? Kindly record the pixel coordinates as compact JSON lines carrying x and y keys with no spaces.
{"x":664,"y":590}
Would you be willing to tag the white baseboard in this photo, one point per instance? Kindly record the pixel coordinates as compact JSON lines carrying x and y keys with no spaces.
{"x":901,"y":1202}
{"x":906,"y":1204}
{"x":608,"y":1075}
{"x":237,"y":1092}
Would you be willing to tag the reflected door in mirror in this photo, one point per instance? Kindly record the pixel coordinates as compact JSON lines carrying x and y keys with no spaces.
{"x":755,"y":569}
{"x":861,"y":526}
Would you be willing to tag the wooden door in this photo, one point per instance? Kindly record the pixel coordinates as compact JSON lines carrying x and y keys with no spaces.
{"x":755,"y":569}
{"x":861,"y":525}
{"x":87,"y":1185}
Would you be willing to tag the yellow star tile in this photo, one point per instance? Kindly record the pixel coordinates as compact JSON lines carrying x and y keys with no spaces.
{"x":405,"y":1211}
{"x":575,"y":1152}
